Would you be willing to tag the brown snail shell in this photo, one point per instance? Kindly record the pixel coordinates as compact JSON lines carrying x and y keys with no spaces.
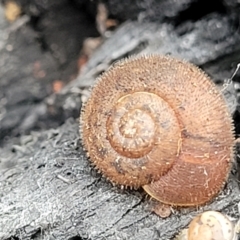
{"x":159,"y":122}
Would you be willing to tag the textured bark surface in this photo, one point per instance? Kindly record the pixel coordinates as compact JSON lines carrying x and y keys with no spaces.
{"x":48,"y":190}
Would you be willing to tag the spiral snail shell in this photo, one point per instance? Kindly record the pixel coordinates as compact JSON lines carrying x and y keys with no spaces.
{"x":160,"y":123}
{"x":209,"y":225}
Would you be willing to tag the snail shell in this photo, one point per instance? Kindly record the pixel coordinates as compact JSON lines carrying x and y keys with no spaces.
{"x":211,"y":225}
{"x":159,"y":122}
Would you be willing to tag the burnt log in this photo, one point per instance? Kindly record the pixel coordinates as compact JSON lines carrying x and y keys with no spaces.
{"x":48,"y":189}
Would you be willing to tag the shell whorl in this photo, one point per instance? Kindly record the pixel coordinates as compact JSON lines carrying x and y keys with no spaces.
{"x":211,"y":225}
{"x":159,"y":122}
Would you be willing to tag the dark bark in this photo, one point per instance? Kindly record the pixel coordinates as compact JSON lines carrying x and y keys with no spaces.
{"x":48,"y":190}
{"x":51,"y":192}
{"x":35,"y":54}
